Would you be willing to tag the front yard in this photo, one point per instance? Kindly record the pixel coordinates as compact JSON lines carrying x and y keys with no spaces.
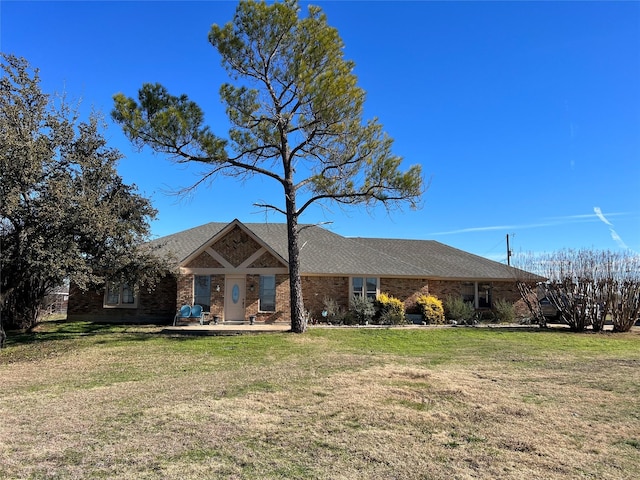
{"x":92,"y":401}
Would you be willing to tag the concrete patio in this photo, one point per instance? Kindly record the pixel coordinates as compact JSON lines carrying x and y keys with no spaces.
{"x":227,"y":329}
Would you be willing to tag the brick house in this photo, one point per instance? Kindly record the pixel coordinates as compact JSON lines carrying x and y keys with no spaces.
{"x":238,"y":270}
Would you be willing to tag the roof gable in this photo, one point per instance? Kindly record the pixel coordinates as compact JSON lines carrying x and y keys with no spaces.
{"x":217,"y":241}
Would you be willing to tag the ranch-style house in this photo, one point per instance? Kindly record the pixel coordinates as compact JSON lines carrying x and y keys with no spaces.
{"x":238,"y":271}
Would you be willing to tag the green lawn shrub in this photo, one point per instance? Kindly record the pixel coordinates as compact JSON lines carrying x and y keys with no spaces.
{"x":455,"y":308}
{"x":361,"y":311}
{"x":505,"y":311}
{"x":332,"y":312}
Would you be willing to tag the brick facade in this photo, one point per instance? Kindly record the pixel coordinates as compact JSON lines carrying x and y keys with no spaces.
{"x":236,"y":246}
{"x":204,"y":260}
{"x":156,"y":306}
{"x":242,"y":256}
{"x":443,"y":289}
{"x":266,"y":260}
{"x":283,"y":311}
{"x":406,"y":289}
{"x":316,"y":289}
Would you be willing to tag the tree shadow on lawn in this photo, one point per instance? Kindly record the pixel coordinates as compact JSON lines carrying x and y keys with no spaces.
{"x":53,"y":330}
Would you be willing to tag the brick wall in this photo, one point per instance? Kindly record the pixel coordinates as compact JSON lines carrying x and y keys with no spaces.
{"x":266,"y":260}
{"x":185,"y":292}
{"x":316,"y":289}
{"x":499,"y":290}
{"x":506,"y":290}
{"x":405,"y":289}
{"x":236,"y":246}
{"x":184,"y":289}
{"x":443,"y":289}
{"x":217,"y":297}
{"x":283,"y":309}
{"x":509,"y":292}
{"x":204,"y":260}
{"x":156,"y":306}
{"x":80,"y":303}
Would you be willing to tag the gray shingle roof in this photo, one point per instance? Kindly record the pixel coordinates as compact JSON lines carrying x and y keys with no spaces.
{"x":182,"y":244}
{"x":323,"y":252}
{"x":437,"y":260}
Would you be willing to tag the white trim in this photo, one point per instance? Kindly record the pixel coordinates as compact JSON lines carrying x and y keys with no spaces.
{"x":275,"y":293}
{"x":120,"y":304}
{"x":238,"y":271}
{"x":364,"y":283}
{"x":256,"y":255}
{"x":219,"y":258}
{"x":476,"y":299}
{"x":224,"y":232}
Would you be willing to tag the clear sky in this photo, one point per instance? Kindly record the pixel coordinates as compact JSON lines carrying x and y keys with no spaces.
{"x":524,"y":115}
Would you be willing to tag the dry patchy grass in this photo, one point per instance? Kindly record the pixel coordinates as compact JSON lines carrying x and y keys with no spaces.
{"x":421,"y":404}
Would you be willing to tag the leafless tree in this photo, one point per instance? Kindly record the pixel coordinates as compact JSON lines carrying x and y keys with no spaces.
{"x":586,"y":287}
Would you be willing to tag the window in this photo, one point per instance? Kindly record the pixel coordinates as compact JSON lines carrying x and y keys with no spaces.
{"x":478,"y":295}
{"x":267,"y":293}
{"x":202,"y":291}
{"x":362,"y":286}
{"x":469,"y":293}
{"x":120,"y":295}
{"x":484,"y":295}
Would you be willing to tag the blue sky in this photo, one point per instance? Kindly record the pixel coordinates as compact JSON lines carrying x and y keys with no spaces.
{"x":524,"y":115}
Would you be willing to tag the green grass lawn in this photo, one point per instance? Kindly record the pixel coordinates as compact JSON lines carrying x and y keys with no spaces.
{"x":80,"y":400}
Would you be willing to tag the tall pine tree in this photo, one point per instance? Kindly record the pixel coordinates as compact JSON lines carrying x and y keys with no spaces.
{"x":296,"y":117}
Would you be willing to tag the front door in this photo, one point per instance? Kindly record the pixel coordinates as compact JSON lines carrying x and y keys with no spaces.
{"x":234,"y":298}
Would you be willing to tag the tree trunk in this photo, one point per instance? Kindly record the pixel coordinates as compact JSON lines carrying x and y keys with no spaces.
{"x":530,"y":299}
{"x":298,"y":317}
{"x":3,"y":336}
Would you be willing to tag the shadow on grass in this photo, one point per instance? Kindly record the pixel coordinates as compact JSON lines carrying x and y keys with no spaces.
{"x":53,"y":330}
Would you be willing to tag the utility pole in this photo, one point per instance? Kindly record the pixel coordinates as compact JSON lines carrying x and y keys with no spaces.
{"x":508,"y":252}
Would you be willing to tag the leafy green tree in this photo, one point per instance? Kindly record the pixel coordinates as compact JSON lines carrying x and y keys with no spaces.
{"x":64,"y":211}
{"x":296,"y":117}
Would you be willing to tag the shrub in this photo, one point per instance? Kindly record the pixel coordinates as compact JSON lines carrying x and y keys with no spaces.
{"x":390,"y":310}
{"x":331,"y":311}
{"x":455,"y":308}
{"x":431,"y":309}
{"x":362,"y":310}
{"x":347,"y":318}
{"x":505,"y":311}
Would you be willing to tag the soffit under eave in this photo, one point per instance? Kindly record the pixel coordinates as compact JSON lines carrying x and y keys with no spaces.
{"x":410,"y":277}
{"x":478,"y":279}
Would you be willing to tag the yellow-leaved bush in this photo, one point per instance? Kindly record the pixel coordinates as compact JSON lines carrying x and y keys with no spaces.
{"x":431,"y":309}
{"x":390,"y":310}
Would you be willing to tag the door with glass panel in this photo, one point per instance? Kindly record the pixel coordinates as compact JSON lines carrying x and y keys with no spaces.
{"x":234,"y":298}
